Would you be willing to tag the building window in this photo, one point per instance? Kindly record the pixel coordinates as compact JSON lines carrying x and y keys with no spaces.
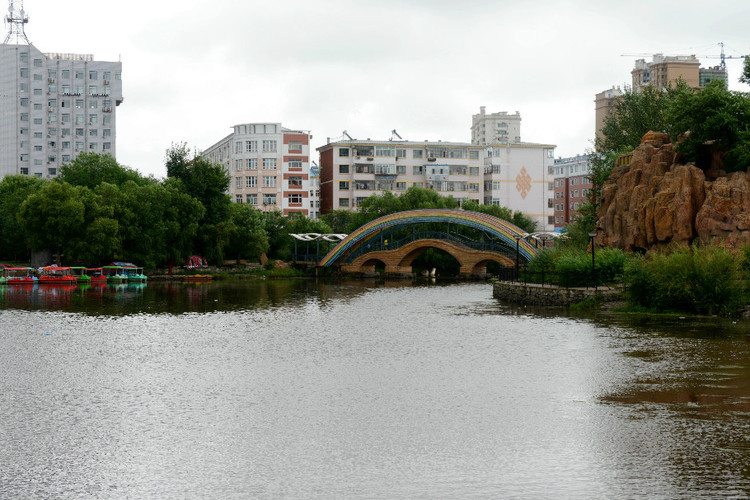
{"x":93,"y":75}
{"x":418,"y":170}
{"x":400,"y":186}
{"x":385,"y":151}
{"x":93,"y":90}
{"x":343,"y":202}
{"x":269,"y":181}
{"x":295,"y":146}
{"x":550,"y":219}
{"x":343,"y":169}
{"x":295,"y":164}
{"x":269,"y":199}
{"x":238,"y":182}
{"x":295,"y":181}
{"x":251,"y":181}
{"x":401,"y":153}
{"x":251,"y":146}
{"x":343,"y":151}
{"x":65,"y":73}
{"x":269,"y":163}
{"x":344,"y":185}
{"x":238,"y":198}
{"x":295,"y":199}
{"x":238,"y":164}
{"x":252,"y":164}
{"x":269,"y":146}
{"x":107,"y":145}
{"x":251,"y":199}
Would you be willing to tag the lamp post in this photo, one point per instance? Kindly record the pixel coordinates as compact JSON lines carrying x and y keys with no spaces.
{"x":592,"y":235}
{"x":518,"y":238}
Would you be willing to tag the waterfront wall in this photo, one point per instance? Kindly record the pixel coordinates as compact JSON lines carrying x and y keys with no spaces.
{"x":547,"y":295}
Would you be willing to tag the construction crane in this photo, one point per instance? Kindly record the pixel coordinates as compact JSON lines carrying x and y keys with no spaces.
{"x":723,"y":57}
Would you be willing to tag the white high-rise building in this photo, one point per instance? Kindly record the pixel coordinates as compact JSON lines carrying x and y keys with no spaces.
{"x":495,"y":127}
{"x":269,"y":165}
{"x":53,"y":106}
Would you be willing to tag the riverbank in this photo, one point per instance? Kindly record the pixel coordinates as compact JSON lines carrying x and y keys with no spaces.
{"x":534,"y":294}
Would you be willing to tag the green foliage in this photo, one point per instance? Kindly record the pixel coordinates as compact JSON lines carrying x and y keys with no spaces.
{"x":339,"y":221}
{"x":517,"y":218}
{"x":51,"y":213}
{"x":248,"y":238}
{"x":745,"y":77}
{"x":571,"y":266}
{"x":92,"y":169}
{"x":634,"y":114}
{"x":695,"y":280}
{"x":14,"y":189}
{"x":714,"y":115}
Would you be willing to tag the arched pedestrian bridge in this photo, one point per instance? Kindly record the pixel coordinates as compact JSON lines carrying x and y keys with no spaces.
{"x":394,"y":241}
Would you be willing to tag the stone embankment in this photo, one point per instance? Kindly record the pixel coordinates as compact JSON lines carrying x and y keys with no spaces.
{"x":532,"y":294}
{"x":656,"y":201}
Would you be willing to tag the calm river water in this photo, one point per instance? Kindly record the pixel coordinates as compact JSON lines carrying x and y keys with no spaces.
{"x":298,"y":389}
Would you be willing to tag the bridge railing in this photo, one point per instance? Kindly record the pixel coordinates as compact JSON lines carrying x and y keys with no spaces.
{"x":489,"y":245}
{"x":590,"y":279}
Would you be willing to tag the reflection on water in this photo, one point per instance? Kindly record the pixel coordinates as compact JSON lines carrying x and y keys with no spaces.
{"x":304,"y":389}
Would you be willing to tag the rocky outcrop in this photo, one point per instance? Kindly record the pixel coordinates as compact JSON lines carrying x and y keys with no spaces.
{"x":656,"y":202}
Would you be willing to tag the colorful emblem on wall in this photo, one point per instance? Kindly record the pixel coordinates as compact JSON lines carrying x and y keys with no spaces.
{"x":523,"y":182}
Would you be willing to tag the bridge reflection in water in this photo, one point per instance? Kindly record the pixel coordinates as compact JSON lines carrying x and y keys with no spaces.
{"x":394,"y":241}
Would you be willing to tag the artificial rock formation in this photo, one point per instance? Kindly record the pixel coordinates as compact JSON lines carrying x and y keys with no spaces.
{"x":656,"y":202}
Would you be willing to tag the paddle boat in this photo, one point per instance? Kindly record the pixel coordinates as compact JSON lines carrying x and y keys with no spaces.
{"x":20,"y":276}
{"x":56,"y":275}
{"x":81,"y":274}
{"x":135,"y":275}
{"x":115,"y":274}
{"x":96,"y":275}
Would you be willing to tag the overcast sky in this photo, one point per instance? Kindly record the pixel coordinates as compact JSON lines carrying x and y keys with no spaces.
{"x":192,"y":69}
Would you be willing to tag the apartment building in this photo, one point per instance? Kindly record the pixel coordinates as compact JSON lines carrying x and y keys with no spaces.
{"x":519,"y":176}
{"x":269,"y":165}
{"x":572,"y":186}
{"x":54,"y":107}
{"x":314,"y":198}
{"x":513,"y":175}
{"x":352,"y":170}
{"x":495,"y":127}
{"x":604,"y":103}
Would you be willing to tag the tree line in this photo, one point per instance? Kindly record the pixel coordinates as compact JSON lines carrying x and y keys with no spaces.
{"x":96,"y":211}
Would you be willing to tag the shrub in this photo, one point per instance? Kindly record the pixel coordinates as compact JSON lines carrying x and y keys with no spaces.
{"x":704,"y":280}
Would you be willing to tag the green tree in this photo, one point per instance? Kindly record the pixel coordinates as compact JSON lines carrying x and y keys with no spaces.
{"x":745,"y":77}
{"x":339,"y":221}
{"x":517,"y":218}
{"x":51,"y":214}
{"x":714,"y":116}
{"x":91,"y":169}
{"x":158,"y":223}
{"x":208,"y":183}
{"x":249,"y":238}
{"x":14,"y":189}
{"x":634,"y":114}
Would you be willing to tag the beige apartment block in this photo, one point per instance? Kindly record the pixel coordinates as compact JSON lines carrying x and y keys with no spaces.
{"x":269,"y":165}
{"x":664,"y":71}
{"x":604,"y":103}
